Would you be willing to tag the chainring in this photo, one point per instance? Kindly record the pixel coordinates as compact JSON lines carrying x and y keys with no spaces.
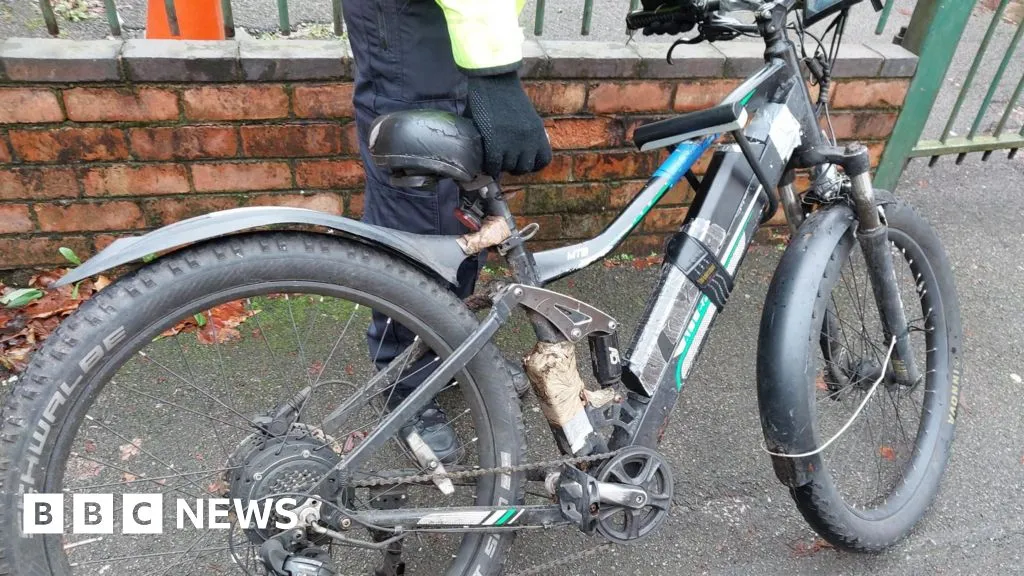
{"x":644,"y":468}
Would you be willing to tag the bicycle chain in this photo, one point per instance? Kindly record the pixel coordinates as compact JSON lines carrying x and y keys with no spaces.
{"x":476,"y":473}
{"x":463,"y":474}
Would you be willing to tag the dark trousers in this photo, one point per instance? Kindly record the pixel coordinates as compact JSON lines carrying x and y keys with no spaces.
{"x":403,"y":60}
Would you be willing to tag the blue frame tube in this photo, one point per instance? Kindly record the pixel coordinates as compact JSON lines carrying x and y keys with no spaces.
{"x":558,"y":262}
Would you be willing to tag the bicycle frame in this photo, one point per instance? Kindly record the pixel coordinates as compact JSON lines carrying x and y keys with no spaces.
{"x":734,"y":198}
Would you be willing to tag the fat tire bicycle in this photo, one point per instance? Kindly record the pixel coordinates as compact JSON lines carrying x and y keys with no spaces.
{"x":858,"y":362}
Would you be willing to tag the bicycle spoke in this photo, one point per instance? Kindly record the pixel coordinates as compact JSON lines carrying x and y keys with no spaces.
{"x":141,"y":449}
{"x":194,"y":386}
{"x":130,"y":472}
{"x":210,"y":389}
{"x":178,"y":406}
{"x":298,"y":341}
{"x":143,"y":556}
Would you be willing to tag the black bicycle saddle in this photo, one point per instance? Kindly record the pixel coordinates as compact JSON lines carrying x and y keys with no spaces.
{"x":426,"y":144}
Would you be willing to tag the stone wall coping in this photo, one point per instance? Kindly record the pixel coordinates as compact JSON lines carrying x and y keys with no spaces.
{"x":31,"y":60}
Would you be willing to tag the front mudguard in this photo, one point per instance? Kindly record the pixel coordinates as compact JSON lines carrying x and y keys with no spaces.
{"x":788,"y":341}
{"x":438,"y":255}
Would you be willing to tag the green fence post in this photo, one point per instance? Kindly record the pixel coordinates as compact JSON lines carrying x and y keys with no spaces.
{"x":979,"y":57}
{"x":49,"y":17}
{"x":229,"y":18}
{"x":934,"y":34}
{"x":996,"y":80}
{"x":588,"y":14}
{"x":111,"y":10}
{"x":538,"y":19}
{"x":282,"y":16}
{"x":172,"y":17}
{"x":339,"y":29}
{"x":884,"y":17}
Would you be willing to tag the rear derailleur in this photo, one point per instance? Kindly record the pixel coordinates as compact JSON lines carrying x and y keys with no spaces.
{"x":628,"y":498}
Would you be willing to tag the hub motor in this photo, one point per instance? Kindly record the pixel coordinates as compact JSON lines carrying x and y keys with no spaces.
{"x":289,"y":465}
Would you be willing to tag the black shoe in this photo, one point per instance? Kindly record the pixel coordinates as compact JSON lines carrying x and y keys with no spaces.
{"x":433,"y":426}
{"x":520,"y":381}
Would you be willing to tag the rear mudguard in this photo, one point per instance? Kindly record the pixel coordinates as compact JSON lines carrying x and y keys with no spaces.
{"x":786,"y":349}
{"x":439,"y":255}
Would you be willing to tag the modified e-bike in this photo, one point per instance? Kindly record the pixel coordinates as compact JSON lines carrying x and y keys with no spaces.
{"x":234,"y":365}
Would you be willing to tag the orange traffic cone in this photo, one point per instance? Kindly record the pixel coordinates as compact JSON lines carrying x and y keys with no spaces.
{"x":197,"y":20}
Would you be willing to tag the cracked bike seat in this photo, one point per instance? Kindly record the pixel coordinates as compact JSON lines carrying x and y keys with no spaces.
{"x":426,"y":144}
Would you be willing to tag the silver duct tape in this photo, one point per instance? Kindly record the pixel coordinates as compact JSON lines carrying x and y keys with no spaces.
{"x":671,"y":312}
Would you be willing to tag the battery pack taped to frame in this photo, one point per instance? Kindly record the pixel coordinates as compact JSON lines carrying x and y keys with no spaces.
{"x":702,"y":267}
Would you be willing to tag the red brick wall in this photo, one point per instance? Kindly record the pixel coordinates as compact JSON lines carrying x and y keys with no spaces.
{"x":82,"y":163}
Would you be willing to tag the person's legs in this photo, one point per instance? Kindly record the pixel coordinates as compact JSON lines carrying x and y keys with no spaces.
{"x":403,"y":61}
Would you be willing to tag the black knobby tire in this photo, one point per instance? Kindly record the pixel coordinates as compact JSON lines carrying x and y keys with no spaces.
{"x":124,"y":317}
{"x":824,"y":487}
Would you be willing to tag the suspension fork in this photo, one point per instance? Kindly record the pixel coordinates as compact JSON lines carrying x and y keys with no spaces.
{"x":873,"y":236}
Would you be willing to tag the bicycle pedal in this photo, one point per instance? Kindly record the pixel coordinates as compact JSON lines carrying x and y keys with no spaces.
{"x":429,"y":461}
{"x":628,"y":499}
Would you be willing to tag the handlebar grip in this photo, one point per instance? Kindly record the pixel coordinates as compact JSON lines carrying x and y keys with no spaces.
{"x":642,"y":19}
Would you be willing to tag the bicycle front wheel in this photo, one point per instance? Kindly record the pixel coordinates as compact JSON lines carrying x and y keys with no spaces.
{"x":867,"y":489}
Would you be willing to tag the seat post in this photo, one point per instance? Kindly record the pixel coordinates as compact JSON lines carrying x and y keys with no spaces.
{"x":520,"y":260}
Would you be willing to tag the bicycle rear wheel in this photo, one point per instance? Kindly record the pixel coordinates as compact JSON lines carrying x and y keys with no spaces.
{"x":153,"y":386}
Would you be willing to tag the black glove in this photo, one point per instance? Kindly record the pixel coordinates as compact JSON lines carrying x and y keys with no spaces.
{"x":671,"y":28}
{"x":513,"y":133}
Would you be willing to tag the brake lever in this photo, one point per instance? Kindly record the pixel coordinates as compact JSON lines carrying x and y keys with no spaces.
{"x":695,"y":40}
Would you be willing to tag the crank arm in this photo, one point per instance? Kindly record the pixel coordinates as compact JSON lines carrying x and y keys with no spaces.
{"x":426,"y":391}
{"x":464,"y":519}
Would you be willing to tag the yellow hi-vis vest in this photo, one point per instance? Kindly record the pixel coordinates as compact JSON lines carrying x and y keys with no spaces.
{"x":485,"y":34}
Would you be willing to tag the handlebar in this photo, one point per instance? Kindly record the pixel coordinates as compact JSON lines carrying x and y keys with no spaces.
{"x":685,"y":15}
{"x":692,"y":12}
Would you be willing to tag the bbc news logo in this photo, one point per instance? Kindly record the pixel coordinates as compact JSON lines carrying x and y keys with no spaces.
{"x":144,"y":513}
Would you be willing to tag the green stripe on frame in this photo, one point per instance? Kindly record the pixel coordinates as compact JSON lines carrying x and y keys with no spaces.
{"x":504,"y":518}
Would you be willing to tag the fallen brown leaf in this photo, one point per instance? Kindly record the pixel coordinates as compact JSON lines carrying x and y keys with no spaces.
{"x":217,"y":487}
{"x":22,"y":330}
{"x":887,"y":452}
{"x":80,"y":469}
{"x":44,"y":279}
{"x":803,"y":549}
{"x":220,"y":323}
{"x":130,"y":450}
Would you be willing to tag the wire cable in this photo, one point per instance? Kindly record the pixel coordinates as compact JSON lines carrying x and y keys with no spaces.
{"x":871,"y":392}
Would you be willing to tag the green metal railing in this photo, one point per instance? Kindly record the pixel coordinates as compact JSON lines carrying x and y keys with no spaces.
{"x":110,"y":10}
{"x":284,"y":21}
{"x":934,"y":34}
